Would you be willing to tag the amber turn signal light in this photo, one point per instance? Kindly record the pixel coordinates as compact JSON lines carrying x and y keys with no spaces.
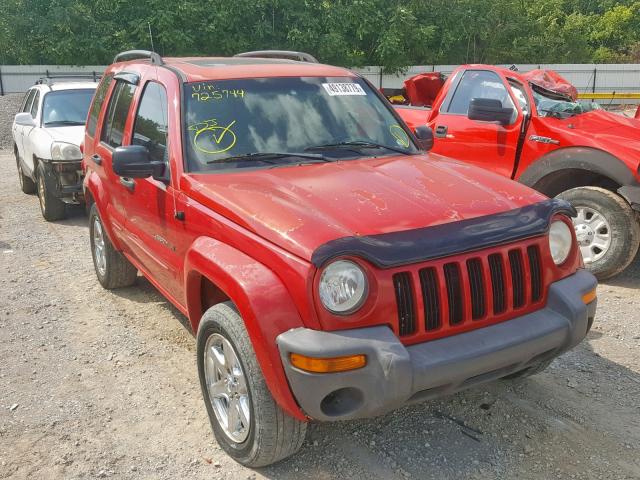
{"x":327,"y":365}
{"x":589,"y":296}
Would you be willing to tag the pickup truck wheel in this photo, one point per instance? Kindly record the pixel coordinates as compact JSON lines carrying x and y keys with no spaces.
{"x":607,"y":229}
{"x":26,"y":184}
{"x":246,"y":421}
{"x":52,"y":207}
{"x":112,"y":268}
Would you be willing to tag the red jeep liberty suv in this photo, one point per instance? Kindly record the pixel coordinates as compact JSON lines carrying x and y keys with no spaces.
{"x":330,"y":268}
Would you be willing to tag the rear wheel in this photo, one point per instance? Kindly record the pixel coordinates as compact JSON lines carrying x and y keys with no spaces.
{"x":112,"y":268}
{"x":26,"y":184}
{"x":246,"y":421}
{"x":606,"y":228}
{"x":52,"y":207}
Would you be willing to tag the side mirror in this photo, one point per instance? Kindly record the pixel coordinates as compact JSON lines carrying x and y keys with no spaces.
{"x":424,"y":135}
{"x":489,"y":110}
{"x":133,"y":161}
{"x":25,"y":119}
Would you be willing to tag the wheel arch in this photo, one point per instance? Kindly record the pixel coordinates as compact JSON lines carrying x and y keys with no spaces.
{"x":216,"y":272}
{"x":572,"y":167}
{"x":95,"y":194}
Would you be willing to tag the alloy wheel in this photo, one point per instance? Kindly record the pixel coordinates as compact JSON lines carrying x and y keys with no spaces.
{"x":99,"y":247}
{"x":227,"y":388}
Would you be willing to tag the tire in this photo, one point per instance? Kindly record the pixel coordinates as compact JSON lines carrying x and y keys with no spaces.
{"x":52,"y":207}
{"x":112,"y":268}
{"x":271,"y":434}
{"x":27,"y":185}
{"x":621,"y":229}
{"x":528,"y":372}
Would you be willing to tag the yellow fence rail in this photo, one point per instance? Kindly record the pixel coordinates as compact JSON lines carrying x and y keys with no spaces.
{"x":610,"y":96}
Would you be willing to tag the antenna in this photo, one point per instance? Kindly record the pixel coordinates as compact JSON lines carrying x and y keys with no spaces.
{"x":151,"y":37}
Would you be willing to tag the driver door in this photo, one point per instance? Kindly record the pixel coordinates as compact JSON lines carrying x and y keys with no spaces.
{"x":485,"y":144}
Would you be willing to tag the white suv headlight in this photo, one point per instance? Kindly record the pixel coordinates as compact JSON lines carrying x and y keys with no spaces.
{"x":560,"y":241}
{"x":343,"y":287}
{"x":65,"y":151}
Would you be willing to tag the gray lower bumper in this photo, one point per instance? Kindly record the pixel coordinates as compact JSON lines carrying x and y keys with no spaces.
{"x":631,"y":193}
{"x":396,"y":375}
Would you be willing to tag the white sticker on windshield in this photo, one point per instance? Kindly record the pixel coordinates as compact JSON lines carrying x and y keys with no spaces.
{"x":334,"y":89}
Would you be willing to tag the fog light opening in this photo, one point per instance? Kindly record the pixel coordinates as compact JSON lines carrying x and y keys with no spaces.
{"x":341,"y":402}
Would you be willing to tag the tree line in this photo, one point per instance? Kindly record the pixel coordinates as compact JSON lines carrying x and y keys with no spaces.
{"x":391,"y":33}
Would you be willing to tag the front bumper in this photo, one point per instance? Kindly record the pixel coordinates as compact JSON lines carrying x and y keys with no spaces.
{"x":66,"y":177}
{"x":631,"y":193}
{"x":396,"y":375}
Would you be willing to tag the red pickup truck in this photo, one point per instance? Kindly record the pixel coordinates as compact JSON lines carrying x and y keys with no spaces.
{"x":329,"y":267}
{"x":529,"y":127}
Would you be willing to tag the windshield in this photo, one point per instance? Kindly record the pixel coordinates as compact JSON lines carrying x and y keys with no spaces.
{"x":550,"y":105}
{"x":258,"y":122}
{"x":66,"y":107}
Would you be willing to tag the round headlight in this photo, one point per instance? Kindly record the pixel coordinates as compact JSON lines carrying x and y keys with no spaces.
{"x":343,"y":287}
{"x":560,"y":240}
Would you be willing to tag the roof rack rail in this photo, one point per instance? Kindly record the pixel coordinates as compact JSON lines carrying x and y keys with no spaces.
{"x":136,"y":54}
{"x":283,"y":54}
{"x":49,"y":78}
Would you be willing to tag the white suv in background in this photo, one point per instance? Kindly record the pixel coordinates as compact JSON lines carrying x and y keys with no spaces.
{"x":46,"y":135}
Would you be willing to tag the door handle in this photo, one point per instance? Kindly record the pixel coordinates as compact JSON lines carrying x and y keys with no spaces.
{"x":128,"y":183}
{"x":97,"y":159}
{"x":441,"y":131}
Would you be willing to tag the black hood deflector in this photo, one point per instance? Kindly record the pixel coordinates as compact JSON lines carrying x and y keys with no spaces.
{"x":421,"y":244}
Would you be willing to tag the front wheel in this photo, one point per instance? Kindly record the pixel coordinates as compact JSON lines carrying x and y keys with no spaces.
{"x":246,"y":421}
{"x":52,"y":207}
{"x":606,"y":228}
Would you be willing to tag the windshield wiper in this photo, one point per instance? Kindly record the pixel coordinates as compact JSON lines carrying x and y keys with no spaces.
{"x":358,"y":144}
{"x":267,"y":156}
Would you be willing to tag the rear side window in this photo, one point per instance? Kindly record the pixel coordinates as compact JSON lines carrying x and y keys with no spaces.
{"x":119,"y":104}
{"x":150,"y":129}
{"x":28,"y":99}
{"x":478,"y":84}
{"x":34,"y":105}
{"x":96,"y":106}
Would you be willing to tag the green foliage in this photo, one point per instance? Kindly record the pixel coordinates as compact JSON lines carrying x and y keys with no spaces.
{"x":392,"y":33}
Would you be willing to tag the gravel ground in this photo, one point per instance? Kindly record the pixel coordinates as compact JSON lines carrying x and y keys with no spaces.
{"x":99,"y":384}
{"x":9,"y":106}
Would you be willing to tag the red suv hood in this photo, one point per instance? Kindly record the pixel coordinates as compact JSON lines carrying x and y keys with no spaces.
{"x":610,"y":132}
{"x":300,"y":208}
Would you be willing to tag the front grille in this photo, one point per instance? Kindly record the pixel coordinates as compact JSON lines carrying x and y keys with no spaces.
{"x":405,"y":301}
{"x":477,"y":288}
{"x":431,"y":295}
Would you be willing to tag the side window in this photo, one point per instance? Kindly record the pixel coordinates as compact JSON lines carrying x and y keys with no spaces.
{"x":28,"y":99}
{"x":150,"y":127}
{"x":96,"y":106}
{"x":119,"y":104}
{"x":521,"y":96}
{"x":34,"y":105}
{"x":478,"y":84}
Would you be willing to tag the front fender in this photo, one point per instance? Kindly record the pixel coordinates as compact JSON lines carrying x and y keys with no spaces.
{"x":581,"y":158}
{"x":259,"y":296}
{"x":93,"y":185}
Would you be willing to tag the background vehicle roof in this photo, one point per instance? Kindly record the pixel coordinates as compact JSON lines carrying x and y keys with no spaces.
{"x":62,"y":85}
{"x":218,"y":68}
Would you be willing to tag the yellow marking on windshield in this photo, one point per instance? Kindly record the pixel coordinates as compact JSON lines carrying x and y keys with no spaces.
{"x":210,"y":137}
{"x":205,"y":92}
{"x":400,"y":135}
